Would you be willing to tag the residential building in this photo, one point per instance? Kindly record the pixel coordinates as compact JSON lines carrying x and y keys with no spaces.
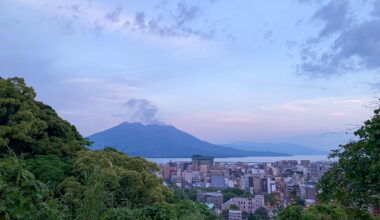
{"x":248,"y":205}
{"x":215,"y":198}
{"x":235,"y":215}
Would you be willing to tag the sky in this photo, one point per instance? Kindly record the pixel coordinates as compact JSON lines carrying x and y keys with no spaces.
{"x":301,"y":71}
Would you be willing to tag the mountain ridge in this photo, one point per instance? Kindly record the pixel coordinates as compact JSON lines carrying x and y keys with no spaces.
{"x":153,"y":140}
{"x":283,"y":147}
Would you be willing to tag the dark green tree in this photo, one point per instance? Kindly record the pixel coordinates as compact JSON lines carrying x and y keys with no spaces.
{"x":322,"y":212}
{"x":24,"y":197}
{"x":354,"y":181}
{"x":259,"y":214}
{"x":291,"y":213}
{"x":31,"y":127}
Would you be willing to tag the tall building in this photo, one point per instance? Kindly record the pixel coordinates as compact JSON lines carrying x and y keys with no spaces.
{"x":264,"y":185}
{"x":257,"y":185}
{"x":314,"y":170}
{"x":167,"y":171}
{"x":310,"y":192}
{"x":199,"y":161}
{"x":184,"y":165}
{"x":187,"y":177}
{"x":305,"y":163}
{"x":217,"y":180}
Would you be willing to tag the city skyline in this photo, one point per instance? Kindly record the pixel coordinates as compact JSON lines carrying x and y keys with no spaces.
{"x":261,"y":71}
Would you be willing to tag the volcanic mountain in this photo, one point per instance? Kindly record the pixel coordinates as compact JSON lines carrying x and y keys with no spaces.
{"x":155,"y":140}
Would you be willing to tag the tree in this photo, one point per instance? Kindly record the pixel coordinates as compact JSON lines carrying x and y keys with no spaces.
{"x":24,"y":197}
{"x":291,"y":213}
{"x":326,"y":212}
{"x":229,"y":193}
{"x":49,"y":168}
{"x":31,"y":127}
{"x":354,"y":180}
{"x":322,"y":212}
{"x":260,"y":214}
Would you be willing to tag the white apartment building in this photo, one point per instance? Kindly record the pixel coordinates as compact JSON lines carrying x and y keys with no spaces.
{"x":248,"y":205}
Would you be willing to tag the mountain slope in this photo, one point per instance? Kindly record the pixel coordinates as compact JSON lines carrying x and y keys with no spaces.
{"x":162,"y":141}
{"x":288,"y":148}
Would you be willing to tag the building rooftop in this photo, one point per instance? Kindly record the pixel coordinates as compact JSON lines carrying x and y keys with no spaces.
{"x":212,"y":193}
{"x":234,"y":211}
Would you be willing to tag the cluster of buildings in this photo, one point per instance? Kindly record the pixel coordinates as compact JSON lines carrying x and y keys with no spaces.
{"x":272,"y":185}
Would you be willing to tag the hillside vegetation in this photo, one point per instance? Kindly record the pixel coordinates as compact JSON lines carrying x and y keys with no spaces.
{"x":46,"y":171}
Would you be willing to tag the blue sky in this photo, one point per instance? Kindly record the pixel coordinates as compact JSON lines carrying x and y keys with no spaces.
{"x":303,"y":71}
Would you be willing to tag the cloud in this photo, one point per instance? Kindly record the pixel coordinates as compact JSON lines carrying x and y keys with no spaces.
{"x":289,"y":106}
{"x":268,"y":35}
{"x":68,"y":24}
{"x":338,"y":114}
{"x":114,"y":15}
{"x":186,"y":13}
{"x":376,"y":9}
{"x":336,"y":16}
{"x":140,"y":20}
{"x":355,"y":47}
{"x":305,"y":1}
{"x":312,"y":105}
{"x":375,"y":86}
{"x":352,"y":101}
{"x":177,"y":21}
{"x":143,"y":111}
{"x":172,"y":19}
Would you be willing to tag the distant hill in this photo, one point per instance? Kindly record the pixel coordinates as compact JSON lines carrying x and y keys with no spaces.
{"x":163,"y":141}
{"x":288,"y":148}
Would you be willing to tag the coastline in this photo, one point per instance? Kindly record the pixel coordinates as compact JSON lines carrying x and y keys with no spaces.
{"x":250,"y":159}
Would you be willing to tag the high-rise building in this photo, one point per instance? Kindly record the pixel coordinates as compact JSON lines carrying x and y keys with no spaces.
{"x":305,"y":163}
{"x":217,"y":180}
{"x":310,"y":192}
{"x":198,"y":160}
{"x":314,"y":170}
{"x":257,"y":185}
{"x":264,"y":185}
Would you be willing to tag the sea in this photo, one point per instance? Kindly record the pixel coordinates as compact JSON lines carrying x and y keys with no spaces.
{"x":312,"y":158}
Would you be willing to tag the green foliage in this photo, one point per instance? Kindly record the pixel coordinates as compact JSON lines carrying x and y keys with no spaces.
{"x":270,"y":199}
{"x":46,"y":172}
{"x":260,"y":214}
{"x":291,"y":213}
{"x":322,"y":212}
{"x":326,"y":212}
{"x":49,"y":168}
{"x":354,"y":180}
{"x":228,"y":193}
{"x":24,"y":197}
{"x":30,"y":127}
{"x":185,"y":193}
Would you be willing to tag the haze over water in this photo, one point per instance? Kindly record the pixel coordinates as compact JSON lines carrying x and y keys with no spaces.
{"x":312,"y":158}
